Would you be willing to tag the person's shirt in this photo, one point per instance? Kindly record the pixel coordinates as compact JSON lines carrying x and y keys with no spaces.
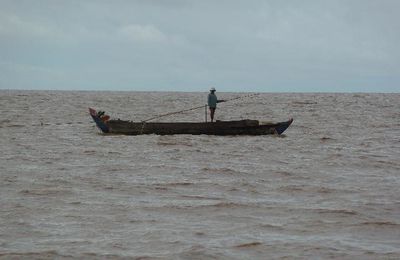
{"x":212,"y":100}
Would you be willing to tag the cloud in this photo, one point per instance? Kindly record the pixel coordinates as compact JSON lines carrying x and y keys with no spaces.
{"x":20,"y":75}
{"x":14,"y":26}
{"x":176,"y":44}
{"x":142,"y":33}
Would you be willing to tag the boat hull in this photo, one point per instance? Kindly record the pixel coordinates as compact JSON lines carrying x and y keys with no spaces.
{"x":241,"y":127}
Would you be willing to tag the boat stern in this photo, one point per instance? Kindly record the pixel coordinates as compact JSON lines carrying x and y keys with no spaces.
{"x":281,"y":127}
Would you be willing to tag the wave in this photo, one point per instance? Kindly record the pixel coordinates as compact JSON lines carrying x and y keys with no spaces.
{"x":305,"y":102}
{"x":172,"y":141}
{"x":177,"y":184}
{"x":44,"y":192}
{"x":291,"y":188}
{"x":200,"y":252}
{"x":220,"y":170}
{"x":336,"y":211}
{"x":247,"y":245}
{"x":379,"y":223}
{"x":166,"y":186}
{"x":12,"y":126}
{"x":51,"y":254}
{"x":310,"y":189}
{"x":199,"y":197}
{"x":219,"y":205}
{"x":326,"y":139}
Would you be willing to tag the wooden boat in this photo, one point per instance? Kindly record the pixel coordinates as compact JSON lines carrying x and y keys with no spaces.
{"x":240,"y":127}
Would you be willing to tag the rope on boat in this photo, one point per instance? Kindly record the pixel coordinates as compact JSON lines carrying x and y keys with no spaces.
{"x":194,"y":108}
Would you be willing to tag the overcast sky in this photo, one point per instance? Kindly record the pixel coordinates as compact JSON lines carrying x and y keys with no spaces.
{"x":191,"y":45}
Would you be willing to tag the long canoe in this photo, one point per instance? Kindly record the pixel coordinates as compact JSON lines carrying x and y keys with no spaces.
{"x":240,"y":127}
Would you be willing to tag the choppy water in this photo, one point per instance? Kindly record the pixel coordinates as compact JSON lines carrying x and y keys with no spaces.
{"x":330,"y":187}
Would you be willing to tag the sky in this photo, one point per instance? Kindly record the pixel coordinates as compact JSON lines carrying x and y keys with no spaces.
{"x":192,"y":45}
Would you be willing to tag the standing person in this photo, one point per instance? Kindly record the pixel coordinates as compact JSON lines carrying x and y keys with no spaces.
{"x":212,"y":101}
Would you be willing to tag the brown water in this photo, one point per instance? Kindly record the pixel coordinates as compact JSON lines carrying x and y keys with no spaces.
{"x":330,"y":187}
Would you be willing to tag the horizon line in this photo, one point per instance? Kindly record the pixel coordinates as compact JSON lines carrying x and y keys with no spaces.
{"x":181,"y":91}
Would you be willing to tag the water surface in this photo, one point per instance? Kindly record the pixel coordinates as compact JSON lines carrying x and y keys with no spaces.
{"x":327,"y":188}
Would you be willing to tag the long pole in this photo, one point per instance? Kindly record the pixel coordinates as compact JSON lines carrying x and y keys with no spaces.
{"x":205,"y":112}
{"x":172,"y":113}
{"x":194,"y":108}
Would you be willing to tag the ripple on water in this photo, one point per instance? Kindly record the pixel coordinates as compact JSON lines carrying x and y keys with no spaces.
{"x":328,"y":189}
